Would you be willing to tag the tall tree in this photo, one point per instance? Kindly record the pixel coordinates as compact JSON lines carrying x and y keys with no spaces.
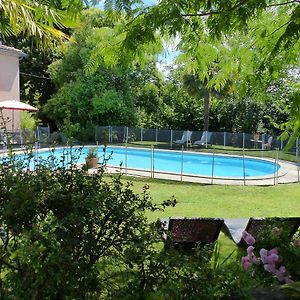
{"x":232,"y":63}
{"x":109,"y":96}
{"x":199,"y":90}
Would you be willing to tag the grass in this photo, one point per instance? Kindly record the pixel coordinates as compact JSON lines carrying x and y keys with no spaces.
{"x":197,"y":200}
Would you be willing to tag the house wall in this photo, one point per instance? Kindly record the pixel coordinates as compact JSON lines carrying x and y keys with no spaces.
{"x":9,"y":87}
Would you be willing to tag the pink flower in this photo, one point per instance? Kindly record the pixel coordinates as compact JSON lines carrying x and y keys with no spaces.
{"x":272,"y":258}
{"x":282,"y":269}
{"x":282,"y":275}
{"x":270,"y":268}
{"x":251,"y":256}
{"x":250,"y":250}
{"x":250,"y":259}
{"x":249,"y":239}
{"x":246,"y":262}
{"x":274,"y":250}
{"x":263,"y":255}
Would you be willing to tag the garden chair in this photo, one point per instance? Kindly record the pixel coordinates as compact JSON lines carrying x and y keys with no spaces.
{"x":185,"y":139}
{"x":43,"y":136}
{"x":268,"y":144}
{"x":235,"y":227}
{"x":205,"y":139}
{"x":188,"y":232}
{"x":11,"y":139}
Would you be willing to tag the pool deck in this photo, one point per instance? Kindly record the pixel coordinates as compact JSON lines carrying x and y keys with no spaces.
{"x":288,"y":173}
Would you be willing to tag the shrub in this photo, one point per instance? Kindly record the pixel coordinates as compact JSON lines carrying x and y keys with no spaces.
{"x":60,"y":225}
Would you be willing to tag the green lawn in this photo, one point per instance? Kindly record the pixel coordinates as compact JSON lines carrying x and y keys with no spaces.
{"x":196,"y":200}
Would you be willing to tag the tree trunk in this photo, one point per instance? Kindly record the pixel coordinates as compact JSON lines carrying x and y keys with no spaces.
{"x":206,"y":111}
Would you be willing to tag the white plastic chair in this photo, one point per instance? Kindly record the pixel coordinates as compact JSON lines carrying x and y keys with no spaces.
{"x":185,"y":139}
{"x":205,"y":139}
{"x":268,"y":144}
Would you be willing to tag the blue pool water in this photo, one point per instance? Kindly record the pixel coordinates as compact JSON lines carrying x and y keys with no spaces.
{"x":174,"y":162}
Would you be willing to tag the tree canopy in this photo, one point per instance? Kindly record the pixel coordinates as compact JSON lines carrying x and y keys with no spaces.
{"x":211,"y":16}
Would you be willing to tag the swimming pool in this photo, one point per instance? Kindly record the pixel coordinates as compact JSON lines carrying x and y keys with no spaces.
{"x":188,"y":163}
{"x":191,"y":163}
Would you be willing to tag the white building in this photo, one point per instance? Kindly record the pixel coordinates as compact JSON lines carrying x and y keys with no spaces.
{"x":9,"y":81}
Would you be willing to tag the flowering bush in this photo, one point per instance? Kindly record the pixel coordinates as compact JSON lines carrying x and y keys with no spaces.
{"x":271,"y":260}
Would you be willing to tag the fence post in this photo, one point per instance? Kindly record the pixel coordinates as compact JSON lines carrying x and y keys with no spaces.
{"x":141,"y":134}
{"x":151,"y":161}
{"x":277,"y":169}
{"x":126,"y":158}
{"x":213,"y":167}
{"x":37,"y":135}
{"x":36,"y":155}
{"x":244,"y":167}
{"x":243,"y":140}
{"x":262,"y":144}
{"x":171,"y":141}
{"x":97,"y":149}
{"x":224,"y":139}
{"x":297,"y":158}
{"x":110,"y":135}
{"x":156,"y":133}
{"x":181,"y":169}
{"x":66,"y":153}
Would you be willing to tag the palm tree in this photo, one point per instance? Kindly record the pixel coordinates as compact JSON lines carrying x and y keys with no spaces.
{"x":198,"y":89}
{"x":35,"y":18}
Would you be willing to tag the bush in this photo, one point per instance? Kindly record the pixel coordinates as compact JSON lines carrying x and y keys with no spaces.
{"x":59,"y":225}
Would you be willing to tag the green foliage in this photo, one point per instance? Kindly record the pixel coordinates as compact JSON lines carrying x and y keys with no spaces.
{"x":232,"y":115}
{"x":39,"y":19}
{"x":293,"y":125}
{"x":108,"y":97}
{"x":28,"y":121}
{"x":292,"y":289}
{"x":214,"y":17}
{"x":90,"y":101}
{"x":68,"y":234}
{"x":58,"y":225}
{"x":92,"y":152}
{"x":231,"y":47}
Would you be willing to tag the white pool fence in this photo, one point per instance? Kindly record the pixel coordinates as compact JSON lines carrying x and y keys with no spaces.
{"x":264,"y":145}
